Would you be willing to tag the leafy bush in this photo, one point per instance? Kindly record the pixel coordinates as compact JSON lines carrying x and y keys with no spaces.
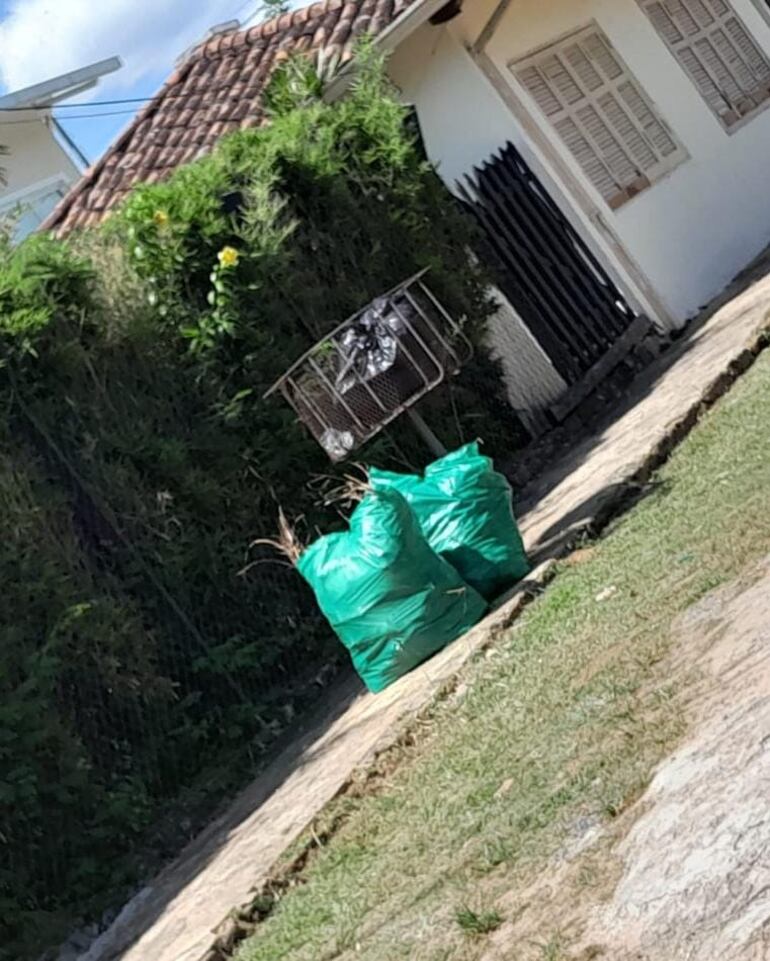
{"x":146,"y":663}
{"x":40,"y":280}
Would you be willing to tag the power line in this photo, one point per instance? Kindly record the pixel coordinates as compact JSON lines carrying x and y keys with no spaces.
{"x":158,"y":95}
{"x":119,"y":102}
{"x":122,"y":101}
{"x":161,"y":97}
{"x":76,"y":116}
{"x":83,"y":103}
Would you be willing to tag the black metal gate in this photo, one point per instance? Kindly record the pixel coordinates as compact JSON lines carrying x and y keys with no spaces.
{"x":561,"y":291}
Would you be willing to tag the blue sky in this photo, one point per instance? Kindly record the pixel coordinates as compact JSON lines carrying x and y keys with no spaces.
{"x":42,"y":38}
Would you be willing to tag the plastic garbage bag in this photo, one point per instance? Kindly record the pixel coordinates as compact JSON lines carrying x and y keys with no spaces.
{"x":337,"y":443}
{"x":465,"y":510}
{"x":391,"y":600}
{"x":370,"y":346}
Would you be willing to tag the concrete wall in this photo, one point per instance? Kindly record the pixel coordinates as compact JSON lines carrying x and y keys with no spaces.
{"x":532,"y":383}
{"x":689,"y":233}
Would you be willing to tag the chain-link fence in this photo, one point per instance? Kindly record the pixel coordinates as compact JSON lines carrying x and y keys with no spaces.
{"x":152,"y":654}
{"x":174,"y":654}
{"x":151,"y":661}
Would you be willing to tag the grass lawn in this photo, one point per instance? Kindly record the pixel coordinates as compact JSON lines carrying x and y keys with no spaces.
{"x":559,"y":725}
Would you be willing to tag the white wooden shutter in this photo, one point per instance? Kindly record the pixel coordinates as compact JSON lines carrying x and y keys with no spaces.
{"x":721,"y":57}
{"x":601,"y":113}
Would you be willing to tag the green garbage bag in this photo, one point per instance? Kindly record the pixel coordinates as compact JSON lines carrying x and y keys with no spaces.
{"x":391,"y":600}
{"x":465,"y":510}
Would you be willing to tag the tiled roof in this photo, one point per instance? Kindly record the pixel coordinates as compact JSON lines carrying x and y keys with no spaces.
{"x":216,"y":90}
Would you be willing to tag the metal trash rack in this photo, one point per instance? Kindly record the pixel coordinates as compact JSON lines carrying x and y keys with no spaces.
{"x":374,"y":366}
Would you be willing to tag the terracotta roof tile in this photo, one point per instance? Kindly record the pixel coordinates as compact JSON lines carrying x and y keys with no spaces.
{"x":216,"y":90}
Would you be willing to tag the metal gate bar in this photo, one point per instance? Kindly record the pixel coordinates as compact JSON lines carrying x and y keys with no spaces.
{"x":562,"y":292}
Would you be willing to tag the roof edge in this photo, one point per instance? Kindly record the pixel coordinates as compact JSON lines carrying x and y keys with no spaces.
{"x":64,"y":85}
{"x":65,"y":204}
{"x":220,"y":45}
{"x":394,"y":34}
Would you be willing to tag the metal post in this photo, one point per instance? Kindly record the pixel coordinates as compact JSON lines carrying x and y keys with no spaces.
{"x":434,"y":444}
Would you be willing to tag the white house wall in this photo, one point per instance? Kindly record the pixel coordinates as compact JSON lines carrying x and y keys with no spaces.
{"x":34,"y":156}
{"x":764,"y":8}
{"x":464,"y":121}
{"x":690,"y":232}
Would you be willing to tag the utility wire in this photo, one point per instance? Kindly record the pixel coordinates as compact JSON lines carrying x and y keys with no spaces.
{"x":73,"y":116}
{"x":119,"y":102}
{"x":182,"y":95}
{"x":162,"y":99}
{"x":83,"y":103}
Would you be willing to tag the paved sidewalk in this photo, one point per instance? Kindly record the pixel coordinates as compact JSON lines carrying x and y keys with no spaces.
{"x":179,"y":916}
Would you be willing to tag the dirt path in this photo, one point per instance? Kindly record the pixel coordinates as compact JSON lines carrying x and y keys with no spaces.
{"x":687,"y":875}
{"x":696,"y":883}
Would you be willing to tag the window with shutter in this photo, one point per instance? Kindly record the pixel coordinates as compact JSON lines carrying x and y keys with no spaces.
{"x":716,"y":49}
{"x":601,"y":113}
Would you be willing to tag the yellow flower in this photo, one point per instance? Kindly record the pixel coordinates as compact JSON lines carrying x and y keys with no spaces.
{"x":160,"y":218}
{"x":228,"y":257}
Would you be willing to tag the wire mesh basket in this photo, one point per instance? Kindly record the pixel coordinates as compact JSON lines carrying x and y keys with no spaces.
{"x":374,"y":366}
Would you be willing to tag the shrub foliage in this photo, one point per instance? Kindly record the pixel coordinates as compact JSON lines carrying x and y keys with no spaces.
{"x":145,"y":664}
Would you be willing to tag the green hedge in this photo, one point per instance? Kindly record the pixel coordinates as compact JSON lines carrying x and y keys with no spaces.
{"x":145,"y":666}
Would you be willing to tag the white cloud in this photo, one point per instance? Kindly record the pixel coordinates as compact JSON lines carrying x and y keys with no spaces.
{"x":43,"y":38}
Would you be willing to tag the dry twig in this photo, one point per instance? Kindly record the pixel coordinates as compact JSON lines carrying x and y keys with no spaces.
{"x":287,"y":542}
{"x":352,"y":490}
